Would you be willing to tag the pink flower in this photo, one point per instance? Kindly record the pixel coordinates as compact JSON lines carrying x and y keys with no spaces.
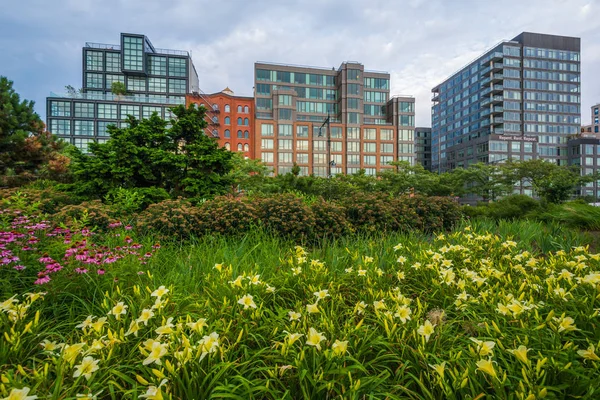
{"x":101,"y":272}
{"x":128,"y":227}
{"x":141,"y":272}
{"x":81,"y":270}
{"x":42,"y":280}
{"x":19,"y":267}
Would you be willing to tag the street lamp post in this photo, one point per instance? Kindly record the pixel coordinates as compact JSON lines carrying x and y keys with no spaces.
{"x":330,"y":162}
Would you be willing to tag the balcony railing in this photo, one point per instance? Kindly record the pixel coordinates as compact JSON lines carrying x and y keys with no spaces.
{"x":497,"y":77}
{"x":113,"y":97}
{"x":497,"y":99}
{"x":103,"y":46}
{"x":498,"y":120}
{"x":498,"y":109}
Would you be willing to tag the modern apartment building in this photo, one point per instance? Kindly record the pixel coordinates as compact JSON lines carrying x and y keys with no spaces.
{"x":519,"y":100}
{"x":423,"y":147}
{"x":156,"y":79}
{"x":595,"y":118}
{"x":230,"y":118}
{"x":330,"y":121}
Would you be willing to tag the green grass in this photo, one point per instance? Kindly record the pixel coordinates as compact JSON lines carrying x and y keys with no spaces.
{"x":385,"y":358}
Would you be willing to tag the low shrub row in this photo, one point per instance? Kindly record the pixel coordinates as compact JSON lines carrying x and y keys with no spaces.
{"x":283,"y":214}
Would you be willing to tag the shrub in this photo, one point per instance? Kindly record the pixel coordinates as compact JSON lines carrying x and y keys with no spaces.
{"x":90,"y":214}
{"x":372,"y":213}
{"x":330,"y":219}
{"x":227,"y":216}
{"x":431,"y":213}
{"x":286,"y":215}
{"x":47,"y":201}
{"x":572,"y":214}
{"x":129,"y":201}
{"x":170,"y":219}
{"x":512,"y":207}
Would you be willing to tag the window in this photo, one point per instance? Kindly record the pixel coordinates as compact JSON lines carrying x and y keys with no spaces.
{"x":82,"y":144}
{"x":103,"y":128}
{"x":515,"y":147}
{"x":84,"y":110}
{"x":336,"y":146}
{"x":353,"y":104}
{"x":387,"y":147}
{"x":302,"y":145}
{"x":266,"y":130}
{"x":84,"y":128}
{"x":405,"y":148}
{"x":406,"y":107}
{"x":93,"y":60}
{"x":246,"y":135}
{"x":369,"y":133}
{"x":110,"y":78}
{"x":354,"y":159}
{"x":157,"y":85}
{"x":246,"y":121}
{"x":285,"y":130}
{"x":285,"y":144}
{"x":370,"y":160}
{"x":353,"y":74}
{"x":370,"y":147}
{"x":387,"y":134}
{"x":285,"y":113}
{"x":353,"y":147}
{"x":336,"y":132}
{"x":177,"y":86}
{"x":301,"y":131}
{"x":133,"y":53}
{"x":107,"y":111}
{"x":239,"y":121}
{"x":375,"y":97}
{"x":136,"y":84}
{"x":246,"y":147}
{"x":377,"y":83}
{"x":266,"y":144}
{"x":147,"y":111}
{"x":263,"y":88}
{"x":130,"y":110}
{"x":319,"y":145}
{"x":285,"y":158}
{"x":239,"y":147}
{"x":227,"y":146}
{"x":60,"y":109}
{"x":227,"y":121}
{"x":353,"y":133}
{"x":246,"y":109}
{"x":528,"y":147}
{"x":113,"y":62}
{"x":353,"y":89}
{"x":285,"y":100}
{"x":60,"y":126}
{"x":353,"y":118}
{"x":177,"y":67}
{"x":93,"y":81}
{"x":407,"y":120}
{"x":264,"y":104}
{"x":266,"y":157}
{"x":227,"y":134}
{"x":385,"y":160}
{"x":157,"y":65}
{"x":240,"y":135}
{"x":227,"y":108}
{"x":302,"y":158}
{"x":239,"y":109}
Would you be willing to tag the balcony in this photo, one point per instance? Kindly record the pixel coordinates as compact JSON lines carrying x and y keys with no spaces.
{"x":485,"y":123}
{"x":484,"y":71}
{"x":498,"y":120}
{"x":497,"y":77}
{"x":214,"y":121}
{"x":485,"y":102}
{"x":498,"y":109}
{"x":496,"y":66}
{"x":486,"y":91}
{"x":497,"y":88}
{"x":435,"y":97}
{"x":499,"y":131}
{"x":497,"y":99}
{"x":485,"y":112}
{"x":120,"y":98}
{"x":485,"y":82}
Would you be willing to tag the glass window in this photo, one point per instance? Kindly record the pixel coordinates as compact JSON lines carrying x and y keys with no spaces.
{"x":319,"y":145}
{"x":239,"y":121}
{"x":285,"y":144}
{"x":369,"y":133}
{"x":353,"y":104}
{"x":157,"y":65}
{"x":266,"y":157}
{"x":227,"y":108}
{"x":157,"y":85}
{"x":353,"y":133}
{"x":107,"y":111}
{"x":93,"y":60}
{"x":405,"y":148}
{"x":148,"y":110}
{"x":177,"y":86}
{"x":266,"y":144}
{"x":130,"y":110}
{"x":353,"y":74}
{"x":385,"y":160}
{"x":406,"y":107}
{"x":84,"y":128}
{"x":353,"y":89}
{"x":285,"y":113}
{"x":336,"y":132}
{"x":113,"y":62}
{"x":387,"y":147}
{"x":336,"y":146}
{"x":239,"y":109}
{"x":264,"y":104}
{"x":353,"y":147}
{"x":110,"y":78}
{"x":60,"y":108}
{"x":528,"y":147}
{"x":93,"y":80}
{"x":353,"y":118}
{"x":302,"y":158}
{"x":133,"y":53}
{"x":246,"y":135}
{"x":136,"y":84}
{"x":177,"y":67}
{"x":227,"y":146}
{"x":370,"y":147}
{"x":240,"y":135}
{"x":227,"y":134}
{"x":82,"y":144}
{"x":285,"y":158}
{"x":375,"y":97}
{"x":84,"y":110}
{"x":377,"y":83}
{"x":515,"y":147}
{"x":246,"y":121}
{"x":285,"y":130}
{"x":246,"y":147}
{"x":302,"y":145}
{"x":285,"y":100}
{"x":370,"y":160}
{"x":263,"y":75}
{"x":266,"y":130}
{"x":407,"y":120}
{"x":60,"y":126}
{"x":103,"y":127}
{"x":386,"y":134}
{"x":246,"y":109}
{"x":239,"y":147}
{"x":302,"y":131}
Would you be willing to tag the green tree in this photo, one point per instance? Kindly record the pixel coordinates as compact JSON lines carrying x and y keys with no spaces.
{"x":487,"y":180}
{"x":180,"y":159}
{"x":26,"y":149}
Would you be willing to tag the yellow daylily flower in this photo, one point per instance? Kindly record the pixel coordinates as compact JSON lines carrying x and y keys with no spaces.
{"x":589,"y":354}
{"x":198,"y":326}
{"x":255,"y":280}
{"x":134,"y":327}
{"x":426,"y":330}
{"x":312,"y":308}
{"x":87,"y":367}
{"x":521,"y":354}
{"x":20,"y":394}
{"x":118,"y":310}
{"x":160,"y":292}
{"x":339,"y":347}
{"x":166,"y":328}
{"x":486,"y":366}
{"x":145,"y":316}
{"x":403,"y":313}
{"x":293,"y":337}
{"x":439,"y":368}
{"x":87,"y":323}
{"x":294,"y":316}
{"x":247,"y":301}
{"x":321,"y":294}
{"x":157,"y":350}
{"x":314,"y":338}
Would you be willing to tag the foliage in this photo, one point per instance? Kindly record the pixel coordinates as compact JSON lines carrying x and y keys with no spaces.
{"x":27,"y":151}
{"x":176,"y":219}
{"x":572,"y":214}
{"x":118,"y":88}
{"x":431,"y":214}
{"x":89,"y":214}
{"x":46,"y":200}
{"x":286,"y":215}
{"x":330,"y":219}
{"x":228,"y":216}
{"x":370,"y":213}
{"x":180,"y":159}
{"x":130,"y":201}
{"x":473,"y":313}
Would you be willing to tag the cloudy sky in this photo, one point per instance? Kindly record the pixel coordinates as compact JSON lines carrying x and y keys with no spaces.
{"x":420,"y":42}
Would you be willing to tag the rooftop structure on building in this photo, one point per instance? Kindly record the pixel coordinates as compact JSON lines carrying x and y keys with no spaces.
{"x":519,"y":100}
{"x":155,"y":79}
{"x":329,"y":120}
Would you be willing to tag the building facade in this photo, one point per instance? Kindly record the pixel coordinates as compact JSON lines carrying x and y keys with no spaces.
{"x":230,"y":118}
{"x":584,"y":152}
{"x":423,"y":147}
{"x":595,"y":127}
{"x":330,"y":121}
{"x":520,"y":100}
{"x":155,"y":79}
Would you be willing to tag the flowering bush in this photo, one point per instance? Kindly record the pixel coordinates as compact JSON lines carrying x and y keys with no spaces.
{"x":91,"y":214}
{"x":170,"y":219}
{"x":371,"y":213}
{"x":330,"y":219}
{"x":286,"y":215}
{"x":44,"y":200}
{"x":431,"y":214}
{"x":228,"y":216}
{"x":462,"y":315}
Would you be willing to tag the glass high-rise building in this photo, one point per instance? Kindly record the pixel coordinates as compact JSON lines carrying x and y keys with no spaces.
{"x":520,"y":100}
{"x":368,"y":128}
{"x":155,"y":79}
